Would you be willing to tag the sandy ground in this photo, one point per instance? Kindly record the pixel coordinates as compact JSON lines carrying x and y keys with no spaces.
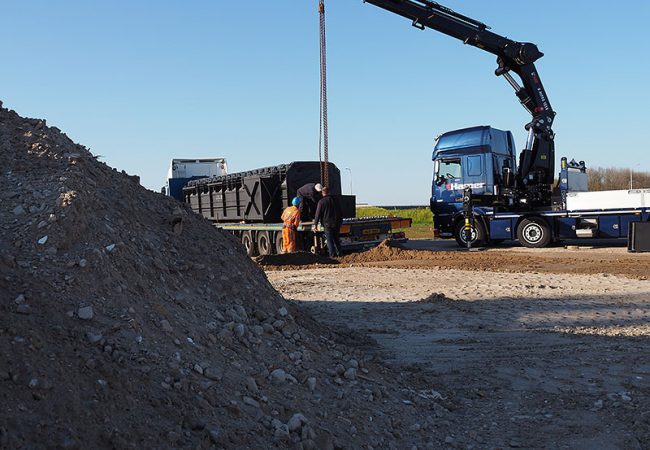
{"x":531,"y":360}
{"x":594,"y":259}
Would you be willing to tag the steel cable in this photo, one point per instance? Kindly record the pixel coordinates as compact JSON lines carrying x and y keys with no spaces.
{"x":323,"y":151}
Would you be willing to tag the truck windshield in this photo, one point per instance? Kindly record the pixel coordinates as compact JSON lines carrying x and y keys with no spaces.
{"x":447,"y":170}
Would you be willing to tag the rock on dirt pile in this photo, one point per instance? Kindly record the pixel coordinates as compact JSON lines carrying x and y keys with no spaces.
{"x":127,"y":321}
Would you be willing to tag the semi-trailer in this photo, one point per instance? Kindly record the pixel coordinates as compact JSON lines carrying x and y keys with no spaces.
{"x":249,"y":205}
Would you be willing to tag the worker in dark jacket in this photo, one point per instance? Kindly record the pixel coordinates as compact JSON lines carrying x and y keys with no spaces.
{"x":328,"y":213}
{"x":309,"y":195}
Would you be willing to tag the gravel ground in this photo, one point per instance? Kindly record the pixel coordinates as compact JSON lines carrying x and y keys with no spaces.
{"x":127,"y":321}
{"x":529,"y":359}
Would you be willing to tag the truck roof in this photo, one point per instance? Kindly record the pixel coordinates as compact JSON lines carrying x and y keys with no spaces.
{"x":484,"y":138}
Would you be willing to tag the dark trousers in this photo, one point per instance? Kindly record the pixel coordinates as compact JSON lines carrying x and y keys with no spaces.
{"x":332,"y":235}
{"x":307,"y":210}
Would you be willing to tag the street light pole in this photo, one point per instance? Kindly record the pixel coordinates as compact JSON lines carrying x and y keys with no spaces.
{"x":350,"y":170}
{"x":631,"y":171}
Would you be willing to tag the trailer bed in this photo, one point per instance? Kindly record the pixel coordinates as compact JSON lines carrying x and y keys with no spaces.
{"x":356,"y":234}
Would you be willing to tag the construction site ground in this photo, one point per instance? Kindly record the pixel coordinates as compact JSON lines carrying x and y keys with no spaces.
{"x":127,"y":321}
{"x":531,"y":348}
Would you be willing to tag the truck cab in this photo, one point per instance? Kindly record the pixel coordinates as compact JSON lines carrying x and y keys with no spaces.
{"x":482,"y":158}
{"x":183,"y":170}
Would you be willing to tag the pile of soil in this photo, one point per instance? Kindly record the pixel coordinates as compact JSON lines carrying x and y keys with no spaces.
{"x":126,"y":321}
{"x":290,"y":260}
{"x":386,"y":251}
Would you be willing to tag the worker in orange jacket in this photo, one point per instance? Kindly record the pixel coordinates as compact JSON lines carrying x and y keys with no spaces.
{"x":291,"y":220}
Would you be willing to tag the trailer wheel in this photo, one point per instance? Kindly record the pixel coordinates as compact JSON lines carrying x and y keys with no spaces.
{"x":264,"y":243}
{"x":279,"y":243}
{"x":248,"y":243}
{"x":534,"y":232}
{"x":478,"y":234}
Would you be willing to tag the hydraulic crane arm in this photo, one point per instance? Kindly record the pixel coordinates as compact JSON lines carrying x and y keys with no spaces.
{"x":536,"y":165}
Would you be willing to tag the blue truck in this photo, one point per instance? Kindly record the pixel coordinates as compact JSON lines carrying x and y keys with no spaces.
{"x":483,"y":159}
{"x":514,"y":200}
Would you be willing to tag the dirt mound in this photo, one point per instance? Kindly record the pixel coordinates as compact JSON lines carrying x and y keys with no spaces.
{"x":294,"y":259}
{"x":386,"y":251}
{"x":126,"y":321}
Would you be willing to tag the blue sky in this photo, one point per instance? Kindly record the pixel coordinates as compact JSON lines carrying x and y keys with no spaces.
{"x":141,"y":82}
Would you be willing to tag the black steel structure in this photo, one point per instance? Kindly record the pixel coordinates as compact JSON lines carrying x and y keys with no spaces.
{"x":536,"y":162}
{"x":260,"y":195}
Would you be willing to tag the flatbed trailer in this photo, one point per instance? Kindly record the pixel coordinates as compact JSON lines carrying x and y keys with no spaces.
{"x":249,"y":205}
{"x":357,"y":234}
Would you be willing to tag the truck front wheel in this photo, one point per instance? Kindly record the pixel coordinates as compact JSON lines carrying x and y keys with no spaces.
{"x":478,"y":234}
{"x":534,"y":232}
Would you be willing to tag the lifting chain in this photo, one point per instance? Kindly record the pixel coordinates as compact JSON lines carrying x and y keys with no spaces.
{"x":322,"y":138}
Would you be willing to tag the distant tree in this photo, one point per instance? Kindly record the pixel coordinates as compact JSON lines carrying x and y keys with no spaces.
{"x":613,"y":178}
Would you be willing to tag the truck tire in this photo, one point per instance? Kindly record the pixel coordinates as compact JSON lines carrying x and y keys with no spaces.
{"x":249,"y":243}
{"x":264,"y":244}
{"x":278,"y":243}
{"x":478,"y":234}
{"x":534,"y":232}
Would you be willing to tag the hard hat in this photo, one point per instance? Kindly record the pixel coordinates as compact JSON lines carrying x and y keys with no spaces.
{"x":318,"y":187}
{"x":295,"y":201}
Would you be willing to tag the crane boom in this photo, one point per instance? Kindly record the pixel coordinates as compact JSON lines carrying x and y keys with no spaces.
{"x":536,"y":162}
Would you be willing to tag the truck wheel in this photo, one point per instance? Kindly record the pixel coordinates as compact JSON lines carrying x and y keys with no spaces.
{"x":264,"y":243}
{"x":478,"y":234}
{"x":248,"y":243}
{"x":278,"y":243}
{"x":534,"y":232}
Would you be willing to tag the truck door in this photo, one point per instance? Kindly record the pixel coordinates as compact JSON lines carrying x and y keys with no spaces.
{"x":475,"y":175}
{"x":447,"y":195}
{"x":448,"y":179}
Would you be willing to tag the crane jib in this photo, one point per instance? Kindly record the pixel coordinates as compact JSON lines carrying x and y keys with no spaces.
{"x":535,"y":174}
